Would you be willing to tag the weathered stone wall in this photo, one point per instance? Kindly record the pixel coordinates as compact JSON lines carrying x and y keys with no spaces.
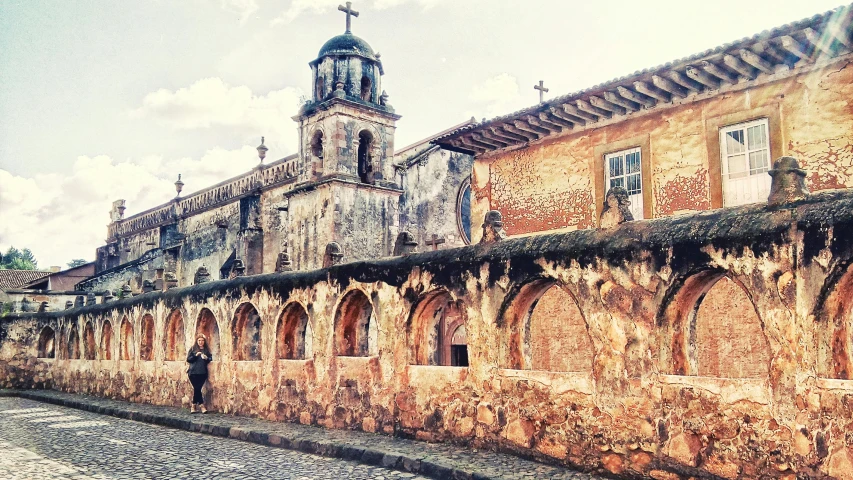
{"x":659,"y":387}
{"x":557,"y":183}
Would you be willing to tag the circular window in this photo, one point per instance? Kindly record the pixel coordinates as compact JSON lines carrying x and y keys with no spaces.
{"x":463,"y":211}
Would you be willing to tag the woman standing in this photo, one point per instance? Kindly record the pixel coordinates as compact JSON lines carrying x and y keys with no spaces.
{"x":198,"y":359}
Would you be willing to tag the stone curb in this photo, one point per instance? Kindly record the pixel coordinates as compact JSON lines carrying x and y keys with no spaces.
{"x":430,"y":467}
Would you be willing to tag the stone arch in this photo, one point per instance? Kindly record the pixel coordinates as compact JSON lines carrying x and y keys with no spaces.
{"x":107,"y":340}
{"x":90,"y":350}
{"x":290,"y":335}
{"x":366,"y":142}
{"x":247,"y":333}
{"x":366,"y":88}
{"x":715,"y":330}
{"x":355,"y":326}
{"x":74,"y":342}
{"x":46,"y":346}
{"x":174,"y":341}
{"x":835,"y":338}
{"x":432,"y":325}
{"x":125,"y":345}
{"x":317,"y":143}
{"x":208,"y":326}
{"x":146,"y":340}
{"x":546,"y":330}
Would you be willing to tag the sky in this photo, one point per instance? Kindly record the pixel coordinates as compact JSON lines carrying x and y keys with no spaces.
{"x":102,"y":100}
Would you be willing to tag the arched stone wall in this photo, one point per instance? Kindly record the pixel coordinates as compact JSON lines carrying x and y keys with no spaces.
{"x":126,"y":343}
{"x":107,"y":341}
{"x":247,"y":333}
{"x":208,"y":326}
{"x":434,"y":320}
{"x":46,"y":343}
{"x":146,"y":338}
{"x":90,"y":349}
{"x":290,"y":335}
{"x":174,"y":341}
{"x":352,"y":325}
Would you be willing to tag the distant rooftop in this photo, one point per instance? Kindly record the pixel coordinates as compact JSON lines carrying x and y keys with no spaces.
{"x":19,"y":278}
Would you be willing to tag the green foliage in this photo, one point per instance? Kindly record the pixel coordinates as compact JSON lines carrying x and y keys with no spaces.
{"x":77,"y":262}
{"x":15,"y":259}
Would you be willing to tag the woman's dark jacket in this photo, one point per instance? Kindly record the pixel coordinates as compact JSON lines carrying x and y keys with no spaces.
{"x":198,"y":365}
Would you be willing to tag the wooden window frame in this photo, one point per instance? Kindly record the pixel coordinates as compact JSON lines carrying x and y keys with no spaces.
{"x":625,"y":174}
{"x":600,"y":152}
{"x":713,"y":127}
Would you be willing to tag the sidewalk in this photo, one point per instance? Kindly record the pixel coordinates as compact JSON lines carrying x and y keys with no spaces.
{"x":441,"y":461}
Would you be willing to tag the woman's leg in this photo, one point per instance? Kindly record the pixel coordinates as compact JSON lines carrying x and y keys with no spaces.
{"x":197,"y":381}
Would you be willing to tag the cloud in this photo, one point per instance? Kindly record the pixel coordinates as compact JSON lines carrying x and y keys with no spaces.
{"x":244,"y":8}
{"x":299,"y":7}
{"x":64,"y":216}
{"x":495,"y":96}
{"x":210,"y":102}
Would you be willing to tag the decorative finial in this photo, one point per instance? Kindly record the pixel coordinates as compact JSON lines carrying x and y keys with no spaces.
{"x":542,"y":90}
{"x":262,"y":150}
{"x":350,"y":13}
{"x":179,"y":185}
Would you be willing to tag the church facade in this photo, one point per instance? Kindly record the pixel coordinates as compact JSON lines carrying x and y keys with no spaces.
{"x":344,"y":196}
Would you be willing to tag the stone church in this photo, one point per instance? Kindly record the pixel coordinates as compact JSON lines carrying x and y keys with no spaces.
{"x":345,"y":196}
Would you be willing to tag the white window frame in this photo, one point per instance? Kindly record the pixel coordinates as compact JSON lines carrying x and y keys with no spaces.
{"x":751,"y":185}
{"x":621,"y":157}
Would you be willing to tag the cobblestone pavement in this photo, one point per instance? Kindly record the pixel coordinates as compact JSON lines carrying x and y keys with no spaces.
{"x":41,"y":441}
{"x":373,"y":452}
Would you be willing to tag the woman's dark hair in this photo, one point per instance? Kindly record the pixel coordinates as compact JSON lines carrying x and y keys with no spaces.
{"x":195,"y":348}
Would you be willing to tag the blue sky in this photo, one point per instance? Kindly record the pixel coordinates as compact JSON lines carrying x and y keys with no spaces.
{"x":102,"y":100}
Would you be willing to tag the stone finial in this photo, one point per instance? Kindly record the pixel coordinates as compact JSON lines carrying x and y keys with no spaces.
{"x":616,"y":208}
{"x":147,"y":286}
{"x":79,"y":301}
{"x":42,"y":307}
{"x":405,"y":244}
{"x":108,"y":296}
{"x":383,"y":99}
{"x":333,"y":256}
{"x":283,"y":263}
{"x":179,"y":185}
{"x":117,"y":212}
{"x":25,"y":305}
{"x":339,"y":90}
{"x":126,"y":290}
{"x":789,"y":182}
{"x":69,"y":304}
{"x":201,"y":275}
{"x":238,"y":269}
{"x":171,"y":280}
{"x":262,"y":150}
{"x":493,"y":227}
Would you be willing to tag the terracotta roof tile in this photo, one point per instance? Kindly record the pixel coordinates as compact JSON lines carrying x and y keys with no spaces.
{"x":18,"y":278}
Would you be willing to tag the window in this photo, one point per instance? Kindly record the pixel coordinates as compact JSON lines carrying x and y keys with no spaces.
{"x":366,"y":91}
{"x":623,"y":169}
{"x":745,"y":158}
{"x":463,"y":211}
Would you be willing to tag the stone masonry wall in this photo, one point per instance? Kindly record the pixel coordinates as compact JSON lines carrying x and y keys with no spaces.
{"x":717,"y":345}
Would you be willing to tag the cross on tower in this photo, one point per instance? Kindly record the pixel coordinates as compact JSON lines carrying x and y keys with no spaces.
{"x":541,"y":89}
{"x":350,"y":12}
{"x":435,"y":242}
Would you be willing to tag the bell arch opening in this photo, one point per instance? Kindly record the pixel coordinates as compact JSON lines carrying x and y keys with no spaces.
{"x":246,"y":330}
{"x":174,"y":343}
{"x":317,"y":144}
{"x":355,"y":328}
{"x":365,"y":161}
{"x":546,"y":330}
{"x":46,"y":343}
{"x":126,"y":340}
{"x":437,"y":334}
{"x":290,"y":337}
{"x":107,"y":341}
{"x":146,"y":345}
{"x":207,"y":326}
{"x":366,"y":88}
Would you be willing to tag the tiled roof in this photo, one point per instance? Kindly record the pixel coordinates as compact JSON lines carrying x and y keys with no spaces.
{"x":820,"y":37}
{"x":18,"y":278}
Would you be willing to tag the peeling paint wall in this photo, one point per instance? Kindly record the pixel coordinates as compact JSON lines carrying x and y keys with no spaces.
{"x":652,"y":399}
{"x":552,"y":185}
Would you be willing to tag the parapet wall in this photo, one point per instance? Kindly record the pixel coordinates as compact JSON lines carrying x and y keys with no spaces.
{"x":714,"y":345}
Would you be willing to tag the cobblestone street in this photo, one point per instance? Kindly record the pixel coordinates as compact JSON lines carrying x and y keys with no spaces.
{"x":42,"y":441}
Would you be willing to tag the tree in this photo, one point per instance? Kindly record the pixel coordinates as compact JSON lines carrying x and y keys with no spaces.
{"x":77,"y":262}
{"x":15,"y":259}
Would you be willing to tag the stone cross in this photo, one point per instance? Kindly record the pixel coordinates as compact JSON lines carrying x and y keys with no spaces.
{"x":435,"y":242}
{"x":542,"y":90}
{"x":350,"y":12}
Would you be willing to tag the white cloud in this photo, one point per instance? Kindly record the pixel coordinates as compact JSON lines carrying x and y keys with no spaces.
{"x":299,"y":7}
{"x":244,"y":8}
{"x":495,"y":96}
{"x":210,"y":102}
{"x":64,"y":216}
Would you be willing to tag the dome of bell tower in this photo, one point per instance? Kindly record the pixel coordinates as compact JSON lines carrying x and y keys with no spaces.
{"x":347,"y":44}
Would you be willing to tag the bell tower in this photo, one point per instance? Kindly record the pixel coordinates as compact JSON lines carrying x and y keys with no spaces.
{"x":346,"y":129}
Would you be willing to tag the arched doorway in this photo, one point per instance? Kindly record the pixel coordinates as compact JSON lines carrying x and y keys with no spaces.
{"x":354,"y":326}
{"x":437,"y":334}
{"x":290,"y":337}
{"x":46,"y":343}
{"x":247,"y":333}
